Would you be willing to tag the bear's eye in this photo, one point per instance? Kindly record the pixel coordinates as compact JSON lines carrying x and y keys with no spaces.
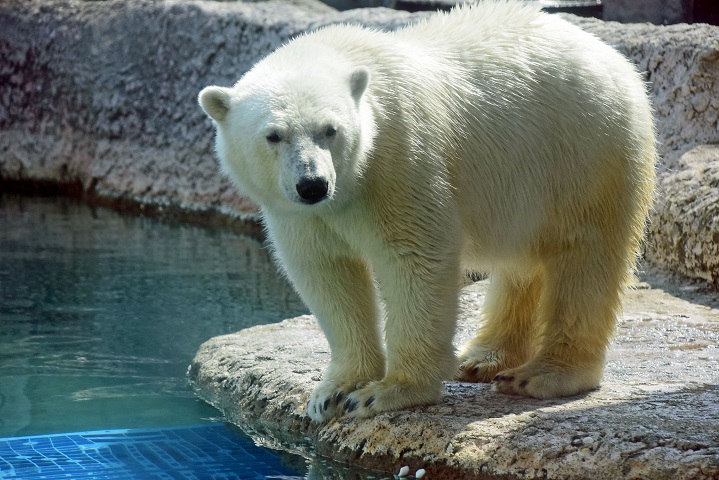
{"x":330,"y":131}
{"x":273,"y":137}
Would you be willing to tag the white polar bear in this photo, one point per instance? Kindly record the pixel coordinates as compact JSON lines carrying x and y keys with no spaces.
{"x":494,"y":138}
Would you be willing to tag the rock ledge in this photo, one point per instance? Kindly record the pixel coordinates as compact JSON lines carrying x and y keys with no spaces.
{"x":655,"y":416}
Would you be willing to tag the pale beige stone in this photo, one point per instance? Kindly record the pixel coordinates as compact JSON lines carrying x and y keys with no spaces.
{"x":684,"y":229}
{"x":654,"y":416}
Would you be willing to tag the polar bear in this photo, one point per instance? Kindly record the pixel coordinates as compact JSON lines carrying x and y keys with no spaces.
{"x":492,"y":138}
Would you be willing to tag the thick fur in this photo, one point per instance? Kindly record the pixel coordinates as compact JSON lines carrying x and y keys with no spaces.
{"x":494,"y":138}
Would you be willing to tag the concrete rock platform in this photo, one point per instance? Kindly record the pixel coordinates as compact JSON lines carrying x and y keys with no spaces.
{"x":655,"y":416}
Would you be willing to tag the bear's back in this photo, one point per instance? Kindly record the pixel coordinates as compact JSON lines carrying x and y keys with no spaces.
{"x":513,"y":107}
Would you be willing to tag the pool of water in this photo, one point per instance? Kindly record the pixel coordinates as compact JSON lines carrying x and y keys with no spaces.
{"x":209,"y":451}
{"x":101,"y":313}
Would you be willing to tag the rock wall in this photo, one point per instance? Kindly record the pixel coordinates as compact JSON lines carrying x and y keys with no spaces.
{"x":102,"y":95}
{"x":685,"y":226}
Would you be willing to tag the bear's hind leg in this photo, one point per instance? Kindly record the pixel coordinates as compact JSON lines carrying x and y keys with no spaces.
{"x":577,"y":310}
{"x":507,"y":337}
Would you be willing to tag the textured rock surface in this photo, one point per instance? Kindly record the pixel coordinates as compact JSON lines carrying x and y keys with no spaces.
{"x":655,"y":416}
{"x":104,"y":93}
{"x":685,"y":226}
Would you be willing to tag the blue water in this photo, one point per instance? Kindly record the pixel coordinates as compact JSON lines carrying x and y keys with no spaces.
{"x":196,"y":452}
{"x":101,"y":314}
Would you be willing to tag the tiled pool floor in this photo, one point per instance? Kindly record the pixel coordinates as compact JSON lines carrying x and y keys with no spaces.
{"x":209,"y":451}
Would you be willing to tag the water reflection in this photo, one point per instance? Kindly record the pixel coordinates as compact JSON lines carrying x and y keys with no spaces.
{"x":101,"y":313}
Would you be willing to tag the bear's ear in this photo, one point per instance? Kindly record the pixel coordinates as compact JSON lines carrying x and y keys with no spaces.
{"x":359,"y":79}
{"x":215,"y":101}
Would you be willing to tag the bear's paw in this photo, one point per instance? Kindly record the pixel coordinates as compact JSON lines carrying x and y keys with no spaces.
{"x":479,"y":363}
{"x":328,"y":398}
{"x":386,"y":395}
{"x":540,"y":380}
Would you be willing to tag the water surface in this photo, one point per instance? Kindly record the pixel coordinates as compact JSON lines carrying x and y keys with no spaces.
{"x":101,"y":313}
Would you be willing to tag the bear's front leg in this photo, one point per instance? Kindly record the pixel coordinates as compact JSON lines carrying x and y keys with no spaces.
{"x":420,"y":297}
{"x":338,"y":289}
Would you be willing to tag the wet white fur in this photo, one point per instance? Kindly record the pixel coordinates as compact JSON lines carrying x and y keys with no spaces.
{"x":493,"y":138}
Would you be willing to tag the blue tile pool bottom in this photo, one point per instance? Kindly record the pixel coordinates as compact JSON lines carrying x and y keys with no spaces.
{"x":203,"y":452}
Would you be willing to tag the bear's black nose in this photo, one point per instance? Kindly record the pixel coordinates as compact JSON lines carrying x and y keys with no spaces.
{"x":312,"y":190}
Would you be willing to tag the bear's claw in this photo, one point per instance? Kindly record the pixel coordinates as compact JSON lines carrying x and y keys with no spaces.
{"x":350,"y":405}
{"x":330,"y":399}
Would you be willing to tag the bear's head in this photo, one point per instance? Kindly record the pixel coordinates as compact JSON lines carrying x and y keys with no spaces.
{"x":295,"y":130}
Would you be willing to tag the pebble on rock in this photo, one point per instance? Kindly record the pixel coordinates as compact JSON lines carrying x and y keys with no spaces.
{"x":420,"y":473}
{"x":404,"y":471}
